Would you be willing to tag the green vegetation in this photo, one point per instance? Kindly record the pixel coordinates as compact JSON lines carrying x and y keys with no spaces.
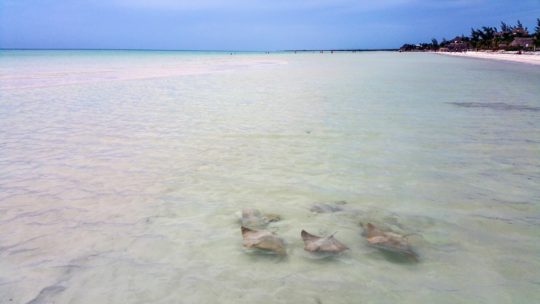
{"x":507,"y":37}
{"x":537,"y":33}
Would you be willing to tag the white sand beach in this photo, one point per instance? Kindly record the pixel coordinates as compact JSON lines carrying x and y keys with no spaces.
{"x":530,"y":57}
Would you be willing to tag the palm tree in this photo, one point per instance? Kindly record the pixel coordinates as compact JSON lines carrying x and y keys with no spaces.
{"x":537,"y":34}
{"x":505,"y":28}
{"x":434,"y":44}
{"x":519,"y":30}
{"x":487,"y":34}
{"x":475,"y":38}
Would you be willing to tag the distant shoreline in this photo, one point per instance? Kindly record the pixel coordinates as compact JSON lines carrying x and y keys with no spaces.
{"x":212,"y":51}
{"x":342,"y":50}
{"x":526,"y":57}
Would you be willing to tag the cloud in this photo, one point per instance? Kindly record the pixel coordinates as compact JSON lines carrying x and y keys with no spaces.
{"x":261,"y":4}
{"x":249,"y":5}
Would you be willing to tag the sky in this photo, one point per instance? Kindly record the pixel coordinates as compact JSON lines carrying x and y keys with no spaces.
{"x":248,"y":24}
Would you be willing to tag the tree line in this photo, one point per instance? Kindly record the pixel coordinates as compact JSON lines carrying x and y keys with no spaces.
{"x":506,"y":37}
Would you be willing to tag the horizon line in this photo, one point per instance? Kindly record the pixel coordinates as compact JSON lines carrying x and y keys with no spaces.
{"x":197,"y":50}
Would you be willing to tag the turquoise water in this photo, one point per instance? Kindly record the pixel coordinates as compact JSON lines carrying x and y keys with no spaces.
{"x":123,"y":174}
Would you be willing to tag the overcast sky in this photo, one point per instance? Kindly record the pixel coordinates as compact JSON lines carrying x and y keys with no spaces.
{"x":248,"y":24}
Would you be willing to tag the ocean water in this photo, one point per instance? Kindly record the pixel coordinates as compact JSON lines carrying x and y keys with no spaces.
{"x":123,"y":173}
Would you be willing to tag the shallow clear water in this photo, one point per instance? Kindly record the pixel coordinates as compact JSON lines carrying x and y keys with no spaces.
{"x":122,"y":175}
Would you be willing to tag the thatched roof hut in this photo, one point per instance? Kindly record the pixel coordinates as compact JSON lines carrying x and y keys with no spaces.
{"x":523,"y":42}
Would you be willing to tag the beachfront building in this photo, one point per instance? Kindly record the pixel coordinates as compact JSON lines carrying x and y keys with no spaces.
{"x":410,"y":48}
{"x":523,"y":42}
{"x":520,"y":32}
{"x":458,"y":44}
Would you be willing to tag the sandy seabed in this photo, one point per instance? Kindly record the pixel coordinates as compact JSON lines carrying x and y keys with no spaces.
{"x":122,"y":174}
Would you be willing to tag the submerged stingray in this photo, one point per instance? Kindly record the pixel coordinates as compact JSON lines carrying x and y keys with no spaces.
{"x":263,"y":239}
{"x":253,"y":218}
{"x":315,"y":243}
{"x":388,"y":241}
{"x":328,"y":207}
{"x":501,"y":106}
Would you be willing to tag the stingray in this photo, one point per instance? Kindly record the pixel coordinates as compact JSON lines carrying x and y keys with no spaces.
{"x":328,"y":207}
{"x":313,"y":243}
{"x":263,"y":239}
{"x":253,"y":218}
{"x":388,"y":241}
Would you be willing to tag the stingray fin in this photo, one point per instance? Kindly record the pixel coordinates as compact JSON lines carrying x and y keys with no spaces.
{"x":246,"y":230}
{"x":306,"y":236}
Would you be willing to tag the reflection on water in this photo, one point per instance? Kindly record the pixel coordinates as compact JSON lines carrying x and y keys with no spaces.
{"x":120,"y":189}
